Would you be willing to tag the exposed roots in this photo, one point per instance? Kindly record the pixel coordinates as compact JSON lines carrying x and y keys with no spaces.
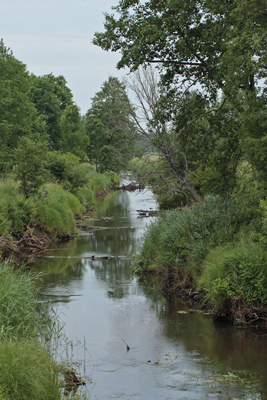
{"x":31,"y":242}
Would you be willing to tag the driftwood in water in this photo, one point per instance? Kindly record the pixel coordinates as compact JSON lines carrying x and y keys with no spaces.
{"x":131,"y":187}
{"x":31,"y":242}
{"x":72,"y":381}
{"x":98,"y":228}
{"x":89,"y":227}
{"x":147,"y":213}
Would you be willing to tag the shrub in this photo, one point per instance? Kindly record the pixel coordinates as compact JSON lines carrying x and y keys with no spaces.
{"x":66,"y":169}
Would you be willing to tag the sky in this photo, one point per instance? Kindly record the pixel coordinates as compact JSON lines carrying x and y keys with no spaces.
{"x":55,"y":36}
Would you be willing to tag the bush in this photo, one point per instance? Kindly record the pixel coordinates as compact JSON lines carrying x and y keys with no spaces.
{"x":238,"y":272}
{"x":66,"y":169}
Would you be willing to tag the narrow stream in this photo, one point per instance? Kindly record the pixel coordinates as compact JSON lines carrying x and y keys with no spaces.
{"x":174,"y":353}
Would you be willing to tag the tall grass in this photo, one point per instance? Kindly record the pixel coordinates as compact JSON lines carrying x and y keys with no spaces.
{"x":182,"y":238}
{"x":18,"y":304}
{"x":27,"y":372}
{"x":56,"y":213}
{"x":235,"y":272}
{"x":26,"y":367}
{"x":15,"y":210}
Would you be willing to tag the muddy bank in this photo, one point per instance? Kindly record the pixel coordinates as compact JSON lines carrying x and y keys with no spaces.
{"x":234,"y":311}
{"x":32,"y":242}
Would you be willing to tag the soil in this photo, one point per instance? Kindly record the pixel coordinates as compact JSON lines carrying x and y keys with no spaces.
{"x":31,"y":243}
{"x":234,"y":311}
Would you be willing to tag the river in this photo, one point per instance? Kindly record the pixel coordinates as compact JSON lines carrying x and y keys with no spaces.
{"x":175,"y":352}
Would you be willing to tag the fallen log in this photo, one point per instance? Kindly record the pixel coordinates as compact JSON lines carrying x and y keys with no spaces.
{"x":131,"y":187}
{"x":147,"y":213}
{"x":98,"y":228}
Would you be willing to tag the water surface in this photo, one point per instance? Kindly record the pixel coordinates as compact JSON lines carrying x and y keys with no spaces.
{"x":174,"y":353}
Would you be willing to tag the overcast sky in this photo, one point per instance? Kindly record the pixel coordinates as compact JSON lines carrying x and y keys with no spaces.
{"x":55,"y":36}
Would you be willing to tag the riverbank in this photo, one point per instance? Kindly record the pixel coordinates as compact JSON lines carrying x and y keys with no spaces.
{"x":30,"y":224}
{"x":203,"y":258}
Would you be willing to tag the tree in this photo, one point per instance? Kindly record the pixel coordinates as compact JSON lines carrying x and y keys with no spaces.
{"x":72,"y":132}
{"x":17,"y":113}
{"x":50,"y":96}
{"x":111,"y":131}
{"x":219,"y":46}
{"x":31,"y":168}
{"x":197,"y":145}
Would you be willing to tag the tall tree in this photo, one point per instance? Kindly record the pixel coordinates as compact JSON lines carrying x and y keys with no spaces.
{"x":219,"y":46}
{"x":31,"y":165}
{"x":198,"y":145}
{"x":51,"y":96}
{"x":72,"y":132}
{"x":17,"y":113}
{"x":111,"y":131}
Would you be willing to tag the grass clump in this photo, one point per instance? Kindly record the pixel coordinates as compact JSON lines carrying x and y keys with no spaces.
{"x":56,"y":213}
{"x":182,"y":238}
{"x":27,"y":370}
{"x":18,"y":304}
{"x":15,"y":210}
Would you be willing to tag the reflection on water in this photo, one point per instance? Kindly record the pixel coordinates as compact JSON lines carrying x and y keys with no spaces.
{"x":175,"y":353}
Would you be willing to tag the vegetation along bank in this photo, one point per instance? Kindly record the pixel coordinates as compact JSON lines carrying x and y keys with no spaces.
{"x":202,"y":113}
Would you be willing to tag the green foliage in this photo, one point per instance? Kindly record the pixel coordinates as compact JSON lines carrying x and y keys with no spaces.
{"x":56,"y":212}
{"x":110,"y":130}
{"x":181,"y":239}
{"x":237,"y":272}
{"x":15,"y":211}
{"x":67,"y":170}
{"x":73,"y":138}
{"x":249,"y":190}
{"x":209,"y":44}
{"x":26,"y":368}
{"x":17,"y":112}
{"x":206,"y":42}
{"x":86,"y":197}
{"x":31,"y":162}
{"x":18,"y":304}
{"x":50,"y":96}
